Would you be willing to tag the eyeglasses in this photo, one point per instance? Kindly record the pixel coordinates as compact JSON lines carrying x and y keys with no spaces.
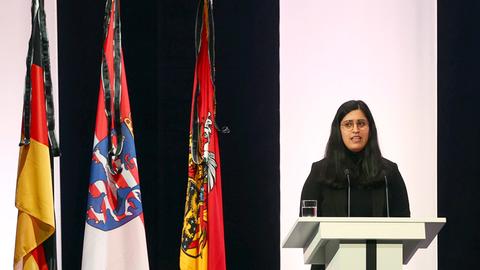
{"x":349,"y":124}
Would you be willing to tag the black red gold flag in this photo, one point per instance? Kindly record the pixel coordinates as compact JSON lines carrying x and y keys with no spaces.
{"x":35,"y":237}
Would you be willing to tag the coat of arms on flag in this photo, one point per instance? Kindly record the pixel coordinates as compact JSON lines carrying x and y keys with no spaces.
{"x":114,"y":197}
{"x":202,"y":243}
{"x":114,"y":230}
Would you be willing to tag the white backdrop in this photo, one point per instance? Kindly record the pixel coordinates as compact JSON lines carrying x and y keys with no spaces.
{"x":15,"y":28}
{"x":383,"y":52}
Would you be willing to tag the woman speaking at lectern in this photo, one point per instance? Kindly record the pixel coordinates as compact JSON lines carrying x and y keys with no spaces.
{"x":353,"y":179}
{"x":353,"y":161}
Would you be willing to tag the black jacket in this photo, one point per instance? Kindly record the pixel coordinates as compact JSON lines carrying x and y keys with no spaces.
{"x":332,"y":201}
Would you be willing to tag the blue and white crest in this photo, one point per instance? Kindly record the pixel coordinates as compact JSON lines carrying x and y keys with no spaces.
{"x":114,"y":199}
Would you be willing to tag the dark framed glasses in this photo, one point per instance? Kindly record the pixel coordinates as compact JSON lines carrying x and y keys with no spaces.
{"x":349,"y":124}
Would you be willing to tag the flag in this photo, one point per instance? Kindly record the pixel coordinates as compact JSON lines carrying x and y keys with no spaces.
{"x":202,"y":242}
{"x":114,"y":231}
{"x":35,"y":236}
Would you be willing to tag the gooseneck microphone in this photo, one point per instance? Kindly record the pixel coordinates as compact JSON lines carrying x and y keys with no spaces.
{"x":347,"y":174}
{"x":386,"y":195}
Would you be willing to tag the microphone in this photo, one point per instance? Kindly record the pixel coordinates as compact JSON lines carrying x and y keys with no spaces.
{"x":347,"y":174}
{"x":386,"y":195}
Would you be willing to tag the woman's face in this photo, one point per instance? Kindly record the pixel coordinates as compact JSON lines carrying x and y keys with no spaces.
{"x":355,"y":130}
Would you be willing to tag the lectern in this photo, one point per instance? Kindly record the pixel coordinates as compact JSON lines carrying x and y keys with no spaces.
{"x":361,"y":243}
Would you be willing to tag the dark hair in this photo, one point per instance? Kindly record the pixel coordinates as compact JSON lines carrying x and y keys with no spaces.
{"x":364,"y":166}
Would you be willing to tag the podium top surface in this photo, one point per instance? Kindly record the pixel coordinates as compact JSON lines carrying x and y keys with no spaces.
{"x":311,"y":233}
{"x":355,"y":228}
{"x":371,"y":219}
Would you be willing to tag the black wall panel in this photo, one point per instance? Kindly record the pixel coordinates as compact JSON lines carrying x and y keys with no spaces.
{"x":459,"y":133}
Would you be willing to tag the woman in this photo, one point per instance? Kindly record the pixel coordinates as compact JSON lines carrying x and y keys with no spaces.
{"x":354,"y":179}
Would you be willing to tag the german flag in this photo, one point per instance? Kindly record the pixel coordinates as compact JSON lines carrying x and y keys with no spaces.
{"x":35,"y":238}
